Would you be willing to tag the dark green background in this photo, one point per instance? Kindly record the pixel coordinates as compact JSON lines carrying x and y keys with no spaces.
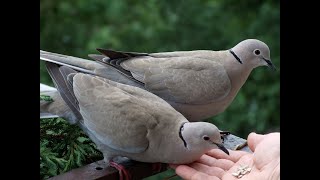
{"x":77,"y":27}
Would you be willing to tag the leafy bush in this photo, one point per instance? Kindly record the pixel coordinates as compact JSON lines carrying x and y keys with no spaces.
{"x":64,"y":147}
{"x":77,"y":27}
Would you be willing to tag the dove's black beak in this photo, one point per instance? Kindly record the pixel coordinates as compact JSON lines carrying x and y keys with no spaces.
{"x":222,"y":148}
{"x":270,"y":64}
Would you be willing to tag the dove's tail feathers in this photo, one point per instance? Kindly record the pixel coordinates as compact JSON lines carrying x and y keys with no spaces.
{"x":120,"y":54}
{"x":47,"y":115}
{"x":114,"y":59}
{"x":65,"y":72}
{"x":100,"y":67}
{"x":79,"y":64}
{"x":111,"y":62}
{"x":115,"y":64}
{"x":59,"y":76}
{"x":46,"y":88}
{"x":55,"y":108}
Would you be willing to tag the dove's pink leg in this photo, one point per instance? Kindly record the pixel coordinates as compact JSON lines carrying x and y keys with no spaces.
{"x":156,"y":167}
{"x":123,"y":173}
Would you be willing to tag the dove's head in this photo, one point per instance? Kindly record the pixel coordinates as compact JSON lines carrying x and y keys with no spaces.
{"x":252,"y":53}
{"x":202,"y":136}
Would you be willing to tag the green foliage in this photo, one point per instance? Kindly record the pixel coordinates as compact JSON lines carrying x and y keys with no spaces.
{"x":46,"y":98}
{"x":64,"y":147}
{"x":77,"y":27}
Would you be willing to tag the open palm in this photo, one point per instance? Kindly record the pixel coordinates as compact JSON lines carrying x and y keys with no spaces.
{"x":216,"y":165}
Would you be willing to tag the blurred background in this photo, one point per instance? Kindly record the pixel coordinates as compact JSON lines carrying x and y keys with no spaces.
{"x":78,"y":27}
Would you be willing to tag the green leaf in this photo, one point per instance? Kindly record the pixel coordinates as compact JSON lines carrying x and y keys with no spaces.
{"x":52,"y":167}
{"x":45,"y":98}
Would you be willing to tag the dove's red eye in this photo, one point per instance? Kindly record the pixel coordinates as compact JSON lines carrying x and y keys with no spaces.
{"x":206,"y":138}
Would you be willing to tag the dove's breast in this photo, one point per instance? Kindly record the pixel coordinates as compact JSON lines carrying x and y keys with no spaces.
{"x":200,"y":112}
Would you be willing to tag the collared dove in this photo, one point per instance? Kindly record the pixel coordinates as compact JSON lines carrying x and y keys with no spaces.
{"x":199,"y":84}
{"x":128,"y":121}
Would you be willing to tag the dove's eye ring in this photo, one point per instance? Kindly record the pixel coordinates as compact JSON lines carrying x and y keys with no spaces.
{"x":206,"y":138}
{"x":257,"y":52}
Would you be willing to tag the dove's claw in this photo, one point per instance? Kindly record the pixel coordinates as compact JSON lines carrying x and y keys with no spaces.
{"x":240,"y":146}
{"x":123,"y":173}
{"x":224,"y":133}
{"x":156,"y":167}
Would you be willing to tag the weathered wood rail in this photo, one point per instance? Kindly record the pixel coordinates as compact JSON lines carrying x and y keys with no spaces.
{"x":138,"y":170}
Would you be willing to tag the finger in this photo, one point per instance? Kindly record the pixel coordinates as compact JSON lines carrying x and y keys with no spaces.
{"x":212,"y":171}
{"x":233,"y":156}
{"x":254,"y":139}
{"x":229,"y":176}
{"x":224,"y":164}
{"x":188,"y":173}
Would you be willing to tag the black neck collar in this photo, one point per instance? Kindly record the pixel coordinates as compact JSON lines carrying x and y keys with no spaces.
{"x":235,"y":56}
{"x":180,"y":135}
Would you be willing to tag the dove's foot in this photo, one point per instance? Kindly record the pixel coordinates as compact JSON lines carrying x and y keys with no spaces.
{"x":156,"y":167}
{"x":223,"y":134}
{"x":123,"y":173}
{"x":240,"y":146}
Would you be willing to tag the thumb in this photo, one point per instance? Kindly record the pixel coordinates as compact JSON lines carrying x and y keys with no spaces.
{"x":254,"y":139}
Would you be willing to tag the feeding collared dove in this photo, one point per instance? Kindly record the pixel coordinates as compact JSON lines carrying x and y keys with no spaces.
{"x":199,"y":84}
{"x":128,"y":121}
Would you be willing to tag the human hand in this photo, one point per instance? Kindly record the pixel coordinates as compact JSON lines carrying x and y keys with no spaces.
{"x":216,"y":165}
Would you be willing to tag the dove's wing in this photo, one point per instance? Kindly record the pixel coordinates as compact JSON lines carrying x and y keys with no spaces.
{"x":191,"y":80}
{"x":117,"y":118}
{"x":207,"y":54}
{"x":112,"y":54}
{"x":115,"y":58}
{"x":116,"y":55}
{"x":182,"y":76}
{"x":59,"y":76}
{"x":115,"y":63}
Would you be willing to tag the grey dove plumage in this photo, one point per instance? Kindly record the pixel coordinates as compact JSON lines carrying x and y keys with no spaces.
{"x":56,"y":108}
{"x":199,"y":84}
{"x":128,"y":121}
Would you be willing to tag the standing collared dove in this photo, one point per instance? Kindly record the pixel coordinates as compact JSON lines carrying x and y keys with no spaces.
{"x":199,"y":84}
{"x":128,"y":121}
